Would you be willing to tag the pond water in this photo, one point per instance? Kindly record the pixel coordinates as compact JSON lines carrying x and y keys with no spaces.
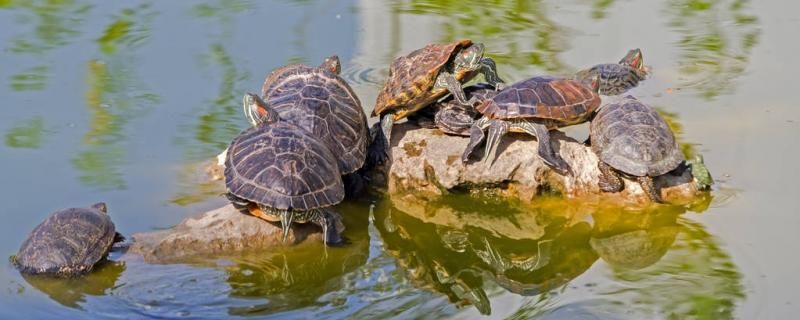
{"x":123,"y":102}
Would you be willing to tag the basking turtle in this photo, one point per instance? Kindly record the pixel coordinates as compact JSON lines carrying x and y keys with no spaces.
{"x":631,"y":138}
{"x":617,"y":78}
{"x":424,"y":76}
{"x":452,"y":117}
{"x":702,"y":177}
{"x":279,"y":172}
{"x":534,"y":106}
{"x":69,"y":242}
{"x":318,"y":100}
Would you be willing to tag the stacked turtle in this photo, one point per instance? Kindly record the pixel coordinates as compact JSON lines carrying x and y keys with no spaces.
{"x":630,"y":138}
{"x":308,"y":129}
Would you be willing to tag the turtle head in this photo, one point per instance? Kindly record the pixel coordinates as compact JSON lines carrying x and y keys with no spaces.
{"x":469,"y":58}
{"x":257,"y":111}
{"x":100,"y":206}
{"x":332,"y":64}
{"x":633,"y":59}
{"x":593,"y":81}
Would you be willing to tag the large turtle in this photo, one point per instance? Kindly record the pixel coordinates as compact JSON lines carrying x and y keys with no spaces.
{"x":319,"y":101}
{"x":424,"y":76}
{"x":534,"y":106}
{"x":631,"y":138}
{"x":69,"y":242}
{"x":279,"y":172}
{"x":617,"y":78}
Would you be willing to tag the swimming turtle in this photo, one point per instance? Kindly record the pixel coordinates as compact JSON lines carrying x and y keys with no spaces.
{"x":422,"y":77}
{"x":534,"y":106}
{"x":69,"y":242}
{"x":617,"y":78}
{"x":278,"y":171}
{"x":319,"y":101}
{"x":631,"y":138}
{"x":702,"y":177}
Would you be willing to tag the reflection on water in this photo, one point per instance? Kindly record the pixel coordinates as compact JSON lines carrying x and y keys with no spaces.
{"x":52,"y":23}
{"x":27,"y":134}
{"x":717,"y":37}
{"x":72,"y":292}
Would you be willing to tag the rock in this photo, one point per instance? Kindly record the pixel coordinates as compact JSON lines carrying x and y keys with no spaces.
{"x":223,"y":230}
{"x":427,"y":162}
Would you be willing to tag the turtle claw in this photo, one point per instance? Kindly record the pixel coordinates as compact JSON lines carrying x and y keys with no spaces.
{"x":286,"y":224}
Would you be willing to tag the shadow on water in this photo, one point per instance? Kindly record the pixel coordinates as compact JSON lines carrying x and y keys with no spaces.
{"x":716,"y":40}
{"x":459,"y":248}
{"x":114,"y":97}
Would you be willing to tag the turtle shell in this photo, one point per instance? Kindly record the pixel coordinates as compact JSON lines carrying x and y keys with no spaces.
{"x":322,"y":103}
{"x":635,"y":249}
{"x":280,"y":165}
{"x":559,"y":101}
{"x":454,"y":118}
{"x":410,"y":85}
{"x":633,"y":138}
{"x":69,"y":242}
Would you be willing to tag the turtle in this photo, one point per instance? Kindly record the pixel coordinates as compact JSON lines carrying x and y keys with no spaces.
{"x":534,"y":106}
{"x":702,"y":177}
{"x":318,"y":100}
{"x":617,"y":78}
{"x":631,"y":138}
{"x":279,"y":172}
{"x":451,"y":117}
{"x":70,"y":242}
{"x":424,"y":76}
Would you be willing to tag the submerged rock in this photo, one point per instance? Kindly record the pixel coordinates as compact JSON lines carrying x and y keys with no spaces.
{"x":427,"y":162}
{"x":219,"y":231}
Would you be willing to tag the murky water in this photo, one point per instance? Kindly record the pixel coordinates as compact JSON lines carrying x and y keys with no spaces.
{"x":123,"y":101}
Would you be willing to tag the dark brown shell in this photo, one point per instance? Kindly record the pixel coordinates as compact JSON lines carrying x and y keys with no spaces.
{"x":454,"y":118}
{"x":322,"y":103}
{"x":411,"y":79}
{"x":562,"y":101}
{"x":633,"y":138}
{"x":279,"y":165}
{"x":69,"y":242}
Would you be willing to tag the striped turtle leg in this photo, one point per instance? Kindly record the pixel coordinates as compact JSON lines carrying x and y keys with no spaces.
{"x":476,"y":137}
{"x":330,"y":222}
{"x":609,"y":180}
{"x":455,"y":88}
{"x":546,"y":151}
{"x":489,"y":70}
{"x":497,"y":129}
{"x":649,"y":187}
{"x":286,"y":222}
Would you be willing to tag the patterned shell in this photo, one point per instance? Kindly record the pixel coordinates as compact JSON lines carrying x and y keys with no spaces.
{"x":454,"y":118}
{"x":411,"y":78}
{"x":69,"y":242}
{"x":615,"y":78}
{"x":633,"y":138}
{"x":561,"y":101}
{"x":324,"y":104}
{"x":281,"y":166}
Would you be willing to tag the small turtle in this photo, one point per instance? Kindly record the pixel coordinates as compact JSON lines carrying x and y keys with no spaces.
{"x":617,"y":78}
{"x":702,"y":177}
{"x":534,"y":106}
{"x":631,"y":138}
{"x":277,"y":171}
{"x":68,"y":243}
{"x":424,"y":76}
{"x":318,"y":100}
{"x":452,"y":117}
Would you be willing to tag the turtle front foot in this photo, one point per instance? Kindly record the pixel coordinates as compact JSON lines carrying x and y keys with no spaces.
{"x":332,"y":228}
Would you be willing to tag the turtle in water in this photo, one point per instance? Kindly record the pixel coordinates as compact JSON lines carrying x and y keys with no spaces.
{"x":702,"y":177}
{"x":279,"y":172}
{"x":319,"y":101}
{"x":423,"y":77}
{"x":617,"y":78}
{"x":451,"y":117}
{"x":534,"y":106}
{"x":631,"y":138}
{"x":69,"y":242}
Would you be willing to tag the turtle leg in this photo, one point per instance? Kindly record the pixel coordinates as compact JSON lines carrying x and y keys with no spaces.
{"x":286,"y":222}
{"x":475,"y":137}
{"x":610,"y":180}
{"x":454,"y":86}
{"x":380,"y":148}
{"x":489,"y":70}
{"x":649,"y":187}
{"x":331,"y":223}
{"x":497,"y":129}
{"x":546,"y":152}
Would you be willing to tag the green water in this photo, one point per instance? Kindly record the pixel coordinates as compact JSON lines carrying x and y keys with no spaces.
{"x":123,"y":102}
